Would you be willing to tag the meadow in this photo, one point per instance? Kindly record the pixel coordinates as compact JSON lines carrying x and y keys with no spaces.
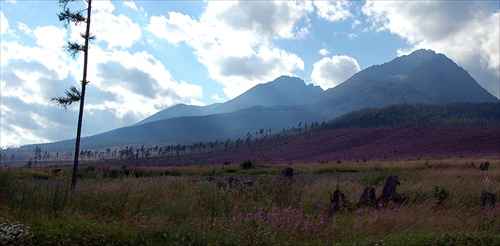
{"x":119,"y":205}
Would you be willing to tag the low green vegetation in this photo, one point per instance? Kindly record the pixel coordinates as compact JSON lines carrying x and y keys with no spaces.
{"x":201,"y":205}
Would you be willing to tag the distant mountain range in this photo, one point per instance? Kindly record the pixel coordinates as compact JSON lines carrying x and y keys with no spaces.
{"x":420,"y":77}
{"x":283,"y":91}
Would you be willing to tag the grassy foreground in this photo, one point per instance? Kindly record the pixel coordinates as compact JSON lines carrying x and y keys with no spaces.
{"x":177,"y":206}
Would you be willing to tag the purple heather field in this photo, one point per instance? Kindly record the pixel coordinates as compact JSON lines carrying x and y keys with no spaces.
{"x":354,"y":144}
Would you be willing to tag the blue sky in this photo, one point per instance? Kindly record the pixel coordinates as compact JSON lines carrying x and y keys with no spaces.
{"x":150,"y":55}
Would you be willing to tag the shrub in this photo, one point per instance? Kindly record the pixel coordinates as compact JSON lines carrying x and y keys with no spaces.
{"x":247,"y":165}
{"x":441,"y":194}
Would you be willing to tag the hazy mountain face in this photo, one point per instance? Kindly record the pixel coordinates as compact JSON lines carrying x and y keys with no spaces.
{"x":283,"y":91}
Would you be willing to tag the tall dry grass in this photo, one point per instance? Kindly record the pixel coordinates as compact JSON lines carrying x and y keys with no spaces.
{"x":176,"y":210}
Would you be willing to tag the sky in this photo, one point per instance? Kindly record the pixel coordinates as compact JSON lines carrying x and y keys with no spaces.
{"x":150,"y":55}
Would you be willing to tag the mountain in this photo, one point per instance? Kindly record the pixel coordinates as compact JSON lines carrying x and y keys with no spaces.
{"x":191,"y":129}
{"x":180,"y":110}
{"x":283,"y":91}
{"x":420,"y":77}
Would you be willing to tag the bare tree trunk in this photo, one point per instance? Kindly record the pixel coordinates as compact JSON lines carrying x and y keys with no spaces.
{"x":82,"y":99}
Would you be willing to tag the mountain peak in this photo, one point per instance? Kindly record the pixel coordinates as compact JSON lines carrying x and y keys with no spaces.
{"x":420,"y":77}
{"x":423,"y":54}
{"x":284,"y":90}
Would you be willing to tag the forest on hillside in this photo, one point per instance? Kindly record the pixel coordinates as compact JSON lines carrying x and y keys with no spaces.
{"x":412,"y":115}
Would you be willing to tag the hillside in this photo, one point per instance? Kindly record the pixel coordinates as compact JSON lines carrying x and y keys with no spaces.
{"x":412,"y":115}
{"x":413,"y":131}
{"x":395,"y":131}
{"x":353,"y":144}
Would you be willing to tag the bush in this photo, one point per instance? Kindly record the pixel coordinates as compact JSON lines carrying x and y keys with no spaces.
{"x":441,"y":194}
{"x":247,"y":165}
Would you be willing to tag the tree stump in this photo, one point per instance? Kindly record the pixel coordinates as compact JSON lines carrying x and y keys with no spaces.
{"x":488,"y":199}
{"x":484,"y":166}
{"x":288,"y":173}
{"x":389,"y":188}
{"x":368,"y":197}
{"x":334,"y":201}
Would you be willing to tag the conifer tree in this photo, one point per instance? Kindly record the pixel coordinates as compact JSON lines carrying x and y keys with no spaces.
{"x":73,"y":94}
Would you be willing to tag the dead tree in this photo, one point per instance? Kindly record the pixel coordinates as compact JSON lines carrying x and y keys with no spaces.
{"x":338,"y":201}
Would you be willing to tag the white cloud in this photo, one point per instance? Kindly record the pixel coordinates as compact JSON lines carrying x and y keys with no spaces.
{"x":217,"y":98}
{"x":117,"y":31}
{"x":330,"y":72}
{"x":103,"y":6}
{"x":352,"y":35}
{"x":267,"y":19}
{"x":356,"y":23}
{"x":50,"y":37}
{"x":130,"y":4}
{"x":135,"y":83}
{"x":466,"y":31}
{"x":124,"y":88}
{"x":333,"y":10}
{"x":324,"y":52}
{"x":233,"y":40}
{"x":5,"y":24}
{"x":24,"y":28}
{"x":177,"y":28}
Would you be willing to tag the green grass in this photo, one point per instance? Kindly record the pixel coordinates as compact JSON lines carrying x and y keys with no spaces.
{"x":164,"y":206}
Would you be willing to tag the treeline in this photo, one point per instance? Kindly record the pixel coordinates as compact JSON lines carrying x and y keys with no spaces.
{"x":412,"y":115}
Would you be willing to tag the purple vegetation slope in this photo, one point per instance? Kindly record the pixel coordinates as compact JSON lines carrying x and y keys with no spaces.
{"x":354,"y":144}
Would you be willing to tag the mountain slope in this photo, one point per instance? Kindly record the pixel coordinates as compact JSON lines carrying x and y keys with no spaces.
{"x":421,"y":77}
{"x":283,"y":91}
{"x":413,"y":115}
{"x":180,"y":110}
{"x":187,"y":130}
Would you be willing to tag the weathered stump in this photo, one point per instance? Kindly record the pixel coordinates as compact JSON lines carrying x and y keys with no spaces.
{"x":389,"y":188}
{"x":337,"y":201}
{"x":488,"y":199}
{"x":368,"y":197}
{"x":484,"y":166}
{"x":288,"y":172}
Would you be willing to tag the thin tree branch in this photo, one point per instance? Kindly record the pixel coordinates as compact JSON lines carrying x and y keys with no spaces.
{"x":72,"y":95}
{"x":73,"y":48}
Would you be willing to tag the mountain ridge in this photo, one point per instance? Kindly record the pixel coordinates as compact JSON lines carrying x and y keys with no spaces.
{"x":284,"y":90}
{"x":420,"y":77}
